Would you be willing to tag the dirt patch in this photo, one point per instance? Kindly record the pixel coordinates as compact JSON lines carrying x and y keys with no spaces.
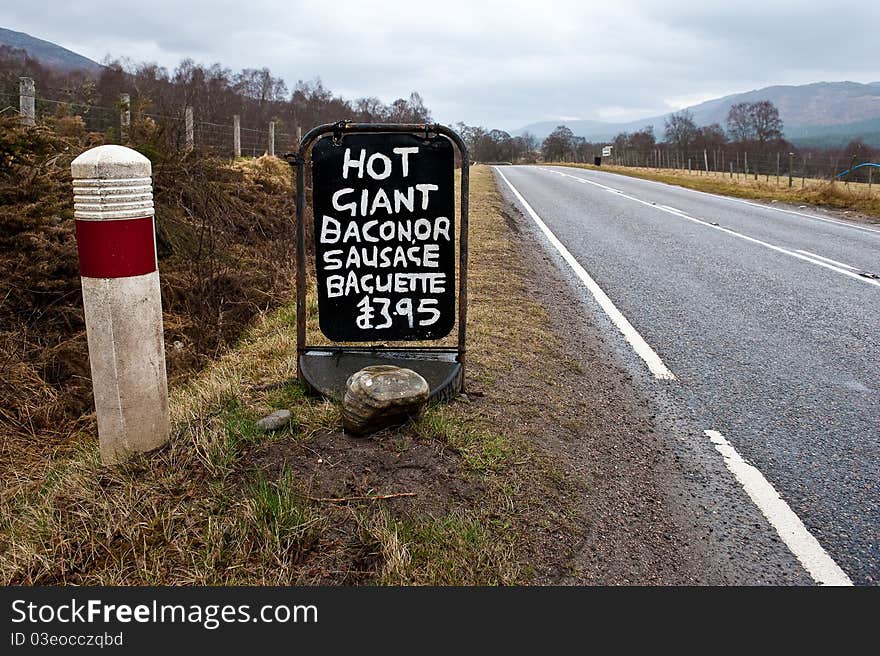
{"x":334,"y":465}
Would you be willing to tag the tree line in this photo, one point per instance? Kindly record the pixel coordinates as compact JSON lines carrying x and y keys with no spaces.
{"x":214,"y":92}
{"x":754,"y":129}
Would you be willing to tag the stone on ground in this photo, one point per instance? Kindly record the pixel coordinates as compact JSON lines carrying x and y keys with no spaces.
{"x":278,"y":420}
{"x":382,"y":396}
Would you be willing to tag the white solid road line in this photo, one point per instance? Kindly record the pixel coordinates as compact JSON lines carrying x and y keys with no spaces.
{"x":675,"y":212}
{"x":639,"y":345}
{"x":829,"y":260}
{"x":853,"y":226}
{"x":788,"y":525}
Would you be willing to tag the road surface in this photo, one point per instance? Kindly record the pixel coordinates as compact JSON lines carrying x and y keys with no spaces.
{"x":761,"y":322}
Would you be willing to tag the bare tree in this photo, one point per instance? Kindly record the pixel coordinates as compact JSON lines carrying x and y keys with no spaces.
{"x":758,"y":121}
{"x":557,"y":147}
{"x":739,"y":122}
{"x":710,"y":137}
{"x":681,"y":131}
{"x":766,"y":122}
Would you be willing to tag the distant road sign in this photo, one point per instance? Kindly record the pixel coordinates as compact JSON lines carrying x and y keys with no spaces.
{"x":384,"y":207}
{"x":606,"y":151}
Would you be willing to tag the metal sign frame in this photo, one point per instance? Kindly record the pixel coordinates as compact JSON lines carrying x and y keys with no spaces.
{"x":298,"y":161}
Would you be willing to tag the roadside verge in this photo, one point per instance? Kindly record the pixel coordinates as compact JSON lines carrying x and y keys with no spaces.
{"x":855,"y":197}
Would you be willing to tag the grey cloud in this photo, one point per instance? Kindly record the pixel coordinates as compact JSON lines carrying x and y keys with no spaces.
{"x":500,"y":64}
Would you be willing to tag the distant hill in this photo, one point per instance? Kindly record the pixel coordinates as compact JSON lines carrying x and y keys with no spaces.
{"x":831,"y":113}
{"x":48,"y":54}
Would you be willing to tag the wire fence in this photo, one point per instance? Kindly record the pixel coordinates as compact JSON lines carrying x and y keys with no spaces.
{"x":781,"y":168}
{"x":121,"y":125}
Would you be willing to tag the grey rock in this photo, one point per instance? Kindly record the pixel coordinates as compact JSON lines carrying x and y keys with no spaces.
{"x":276,"y":421}
{"x":382,"y":396}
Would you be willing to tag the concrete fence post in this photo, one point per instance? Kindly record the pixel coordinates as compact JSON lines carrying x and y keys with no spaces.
{"x":115,"y":235}
{"x":189,"y":127}
{"x":26,"y":100}
{"x":124,"y":116}
{"x":299,"y":136}
{"x":272,"y":138}
{"x":236,"y":136}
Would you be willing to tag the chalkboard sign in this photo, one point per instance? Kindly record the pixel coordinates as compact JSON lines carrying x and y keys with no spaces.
{"x":384,"y":209}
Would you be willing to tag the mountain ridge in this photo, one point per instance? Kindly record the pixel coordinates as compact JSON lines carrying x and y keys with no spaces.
{"x":808,"y":109}
{"x":47,"y":53}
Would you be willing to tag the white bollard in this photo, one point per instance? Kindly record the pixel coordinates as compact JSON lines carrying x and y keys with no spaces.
{"x":115,"y":235}
{"x":236,"y":136}
{"x":26,"y":93}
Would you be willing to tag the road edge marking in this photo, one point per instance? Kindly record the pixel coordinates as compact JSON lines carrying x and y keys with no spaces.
{"x":632,"y":336}
{"x":805,"y":547}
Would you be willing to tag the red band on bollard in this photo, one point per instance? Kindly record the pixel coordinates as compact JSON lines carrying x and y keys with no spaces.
{"x":117,"y":248}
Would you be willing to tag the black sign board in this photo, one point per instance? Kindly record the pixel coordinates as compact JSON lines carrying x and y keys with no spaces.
{"x":384,"y":208}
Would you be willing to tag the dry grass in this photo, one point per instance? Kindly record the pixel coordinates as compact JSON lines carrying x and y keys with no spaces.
{"x":203,"y":511}
{"x":225,"y":255}
{"x":855,"y":197}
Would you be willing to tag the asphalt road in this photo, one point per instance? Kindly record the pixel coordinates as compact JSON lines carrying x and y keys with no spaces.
{"x":765,"y":318}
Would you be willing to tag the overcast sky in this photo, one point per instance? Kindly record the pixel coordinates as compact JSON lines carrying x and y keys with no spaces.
{"x":498,"y":64}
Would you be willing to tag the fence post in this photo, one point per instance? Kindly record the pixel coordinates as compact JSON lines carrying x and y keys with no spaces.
{"x":777,"y":169}
{"x":189,"y":126}
{"x":790,"y":168}
{"x":26,"y":100}
{"x":115,"y":236}
{"x":124,"y":116}
{"x":299,"y":136}
{"x":851,"y":165}
{"x":272,"y":138}
{"x":706,"y":160}
{"x":236,"y":136}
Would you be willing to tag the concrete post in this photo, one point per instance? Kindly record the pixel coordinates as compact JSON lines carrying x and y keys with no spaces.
{"x":26,"y":100}
{"x":115,"y":235}
{"x":124,"y":116}
{"x":299,"y":136}
{"x":190,"y":129}
{"x":236,"y":136}
{"x":272,"y":138}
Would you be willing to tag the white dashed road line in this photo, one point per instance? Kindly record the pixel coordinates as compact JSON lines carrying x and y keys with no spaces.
{"x":788,"y":525}
{"x":829,"y":260}
{"x":844,"y":224}
{"x":823,"y":262}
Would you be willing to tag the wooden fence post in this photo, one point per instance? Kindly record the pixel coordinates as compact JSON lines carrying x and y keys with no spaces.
{"x":236,"y":136}
{"x":27,"y":100}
